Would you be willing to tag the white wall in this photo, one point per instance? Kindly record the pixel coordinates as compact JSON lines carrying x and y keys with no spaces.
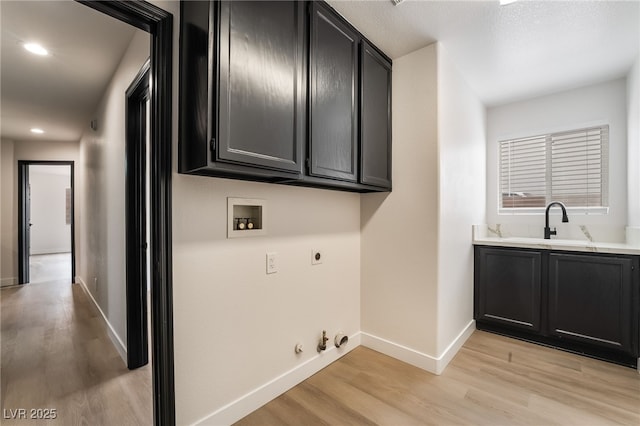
{"x":239,"y":325}
{"x":8,"y":247}
{"x":101,"y":265}
{"x":400,"y":229}
{"x":462,"y":197}
{"x":23,"y":150}
{"x":235,"y":328}
{"x":633,"y":146}
{"x":598,"y":104}
{"x":50,"y":232}
{"x":417,"y":256}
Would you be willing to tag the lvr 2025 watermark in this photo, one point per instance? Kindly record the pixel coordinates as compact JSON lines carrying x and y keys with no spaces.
{"x":29,"y":413}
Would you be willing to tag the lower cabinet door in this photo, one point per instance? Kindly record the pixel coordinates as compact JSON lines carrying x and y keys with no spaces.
{"x":591,"y":300}
{"x":508,"y":287}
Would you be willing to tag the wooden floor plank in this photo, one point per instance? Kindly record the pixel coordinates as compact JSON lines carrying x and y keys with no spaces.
{"x":56,"y":354}
{"x":493,"y":380}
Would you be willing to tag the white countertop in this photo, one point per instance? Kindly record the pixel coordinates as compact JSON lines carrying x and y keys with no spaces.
{"x":480,"y":238}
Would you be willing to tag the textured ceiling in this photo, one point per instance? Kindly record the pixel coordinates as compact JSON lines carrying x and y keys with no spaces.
{"x":59,"y":92}
{"x":519,"y":51}
{"x":507,"y":53}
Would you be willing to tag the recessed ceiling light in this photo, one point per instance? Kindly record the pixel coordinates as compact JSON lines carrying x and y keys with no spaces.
{"x":37,"y":130}
{"x":506,"y":2}
{"x":36,"y":49}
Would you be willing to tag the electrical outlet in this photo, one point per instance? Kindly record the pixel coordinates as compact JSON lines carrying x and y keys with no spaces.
{"x":272,"y":263}
{"x":316,"y":257}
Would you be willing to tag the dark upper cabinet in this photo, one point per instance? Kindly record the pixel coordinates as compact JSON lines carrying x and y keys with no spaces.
{"x":375,"y":112}
{"x":508,"y":287}
{"x":333,"y":91}
{"x":591,"y":300}
{"x":266,"y":85}
{"x":261,"y":98}
{"x":194,"y":110}
{"x":242,"y":88}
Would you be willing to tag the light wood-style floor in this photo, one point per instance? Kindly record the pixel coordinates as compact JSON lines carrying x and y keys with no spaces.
{"x":56,"y":355}
{"x":493,"y":380}
{"x":49,"y":267}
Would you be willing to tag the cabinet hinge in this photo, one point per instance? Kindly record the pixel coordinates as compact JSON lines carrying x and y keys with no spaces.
{"x":212,"y":147}
{"x":307,"y":163}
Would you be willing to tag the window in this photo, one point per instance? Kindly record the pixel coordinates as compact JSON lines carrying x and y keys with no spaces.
{"x":571,"y":167}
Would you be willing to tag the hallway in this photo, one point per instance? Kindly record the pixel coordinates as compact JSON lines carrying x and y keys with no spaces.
{"x":56,"y":355}
{"x":49,"y":267}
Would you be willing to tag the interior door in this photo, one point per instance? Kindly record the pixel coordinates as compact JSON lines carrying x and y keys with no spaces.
{"x":28,"y":216}
{"x":138,"y":96}
{"x":24,"y":222}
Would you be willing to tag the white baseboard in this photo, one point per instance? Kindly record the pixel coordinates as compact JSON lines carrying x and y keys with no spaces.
{"x":6,"y":282}
{"x":401,"y":352}
{"x":50,"y":250}
{"x":435,"y":365}
{"x":246,"y":404}
{"x":255,"y":399}
{"x":115,"y":339}
{"x":455,"y":346}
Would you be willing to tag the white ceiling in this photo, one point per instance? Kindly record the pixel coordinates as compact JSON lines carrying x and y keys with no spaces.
{"x":508,"y":53}
{"x":59,"y":92}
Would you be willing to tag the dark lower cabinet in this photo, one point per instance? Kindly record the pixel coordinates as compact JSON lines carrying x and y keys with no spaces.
{"x":508,"y":288}
{"x":586,"y":303}
{"x":591,"y":300}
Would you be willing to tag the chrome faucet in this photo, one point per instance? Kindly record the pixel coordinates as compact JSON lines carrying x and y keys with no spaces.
{"x":547,"y":231}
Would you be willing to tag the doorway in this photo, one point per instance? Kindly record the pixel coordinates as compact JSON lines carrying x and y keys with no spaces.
{"x":46,"y":231}
{"x":159,"y":24}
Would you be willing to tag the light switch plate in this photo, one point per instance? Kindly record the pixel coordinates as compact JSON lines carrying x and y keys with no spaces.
{"x":272,"y":263}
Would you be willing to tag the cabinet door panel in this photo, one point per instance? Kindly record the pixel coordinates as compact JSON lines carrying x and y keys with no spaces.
{"x":590,"y":299}
{"x":375,"y":108}
{"x":261,"y":105}
{"x":194,"y":103}
{"x":508,"y":287}
{"x":333,"y":90}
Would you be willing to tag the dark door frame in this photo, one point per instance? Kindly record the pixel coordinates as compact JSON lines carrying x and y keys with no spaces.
{"x":136,"y":218}
{"x":23,"y":220}
{"x":159,"y":24}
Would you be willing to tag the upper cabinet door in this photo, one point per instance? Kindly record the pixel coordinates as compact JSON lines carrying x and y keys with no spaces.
{"x":261,"y":97}
{"x":333,"y":88}
{"x":375,"y":110}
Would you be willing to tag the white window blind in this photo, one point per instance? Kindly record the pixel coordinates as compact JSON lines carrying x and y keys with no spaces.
{"x":571,"y":167}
